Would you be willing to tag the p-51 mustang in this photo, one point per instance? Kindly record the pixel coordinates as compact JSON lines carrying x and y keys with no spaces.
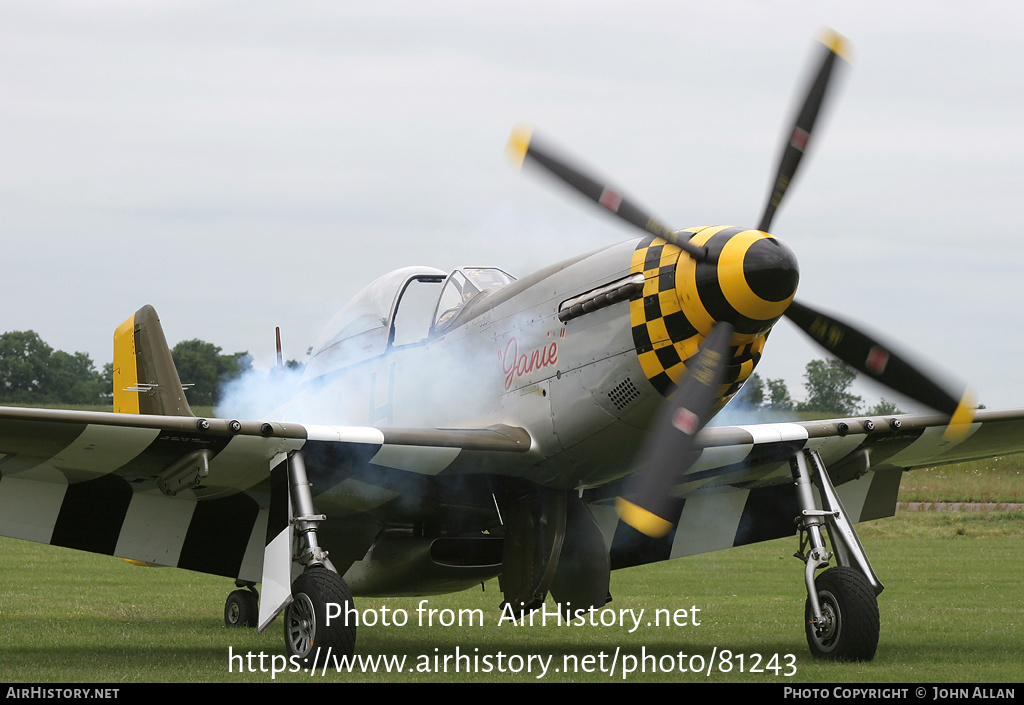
{"x":454,"y":427}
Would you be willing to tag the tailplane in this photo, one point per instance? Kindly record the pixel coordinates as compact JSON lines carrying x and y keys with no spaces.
{"x":145,"y":378}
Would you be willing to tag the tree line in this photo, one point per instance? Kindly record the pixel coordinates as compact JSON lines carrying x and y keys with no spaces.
{"x":828,"y":385}
{"x":32,"y":372}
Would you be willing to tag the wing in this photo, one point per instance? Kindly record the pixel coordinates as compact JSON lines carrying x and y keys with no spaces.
{"x":195,"y":493}
{"x":739,"y":490}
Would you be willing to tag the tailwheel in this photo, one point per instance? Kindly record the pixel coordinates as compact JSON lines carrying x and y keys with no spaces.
{"x":848,"y":630}
{"x":242,"y":609}
{"x":306,"y":627}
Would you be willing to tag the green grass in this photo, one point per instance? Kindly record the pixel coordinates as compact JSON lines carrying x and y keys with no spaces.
{"x":992,"y":480}
{"x":951,"y":612}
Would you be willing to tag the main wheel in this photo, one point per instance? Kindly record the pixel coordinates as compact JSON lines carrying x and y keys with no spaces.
{"x":849,"y":627}
{"x":306,"y":627}
{"x":241,"y":609}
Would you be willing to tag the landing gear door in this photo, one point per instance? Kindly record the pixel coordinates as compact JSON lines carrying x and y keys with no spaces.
{"x":277,"y":553}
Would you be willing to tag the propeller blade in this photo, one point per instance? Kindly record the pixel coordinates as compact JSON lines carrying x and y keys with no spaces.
{"x":523,"y":145}
{"x":670,"y":448}
{"x":879,"y":361}
{"x":835,"y":46}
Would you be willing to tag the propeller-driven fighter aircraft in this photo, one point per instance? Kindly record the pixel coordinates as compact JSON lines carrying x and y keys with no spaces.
{"x":547,"y":429}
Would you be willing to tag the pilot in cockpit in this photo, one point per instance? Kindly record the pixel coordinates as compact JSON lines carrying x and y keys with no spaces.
{"x":467,"y":290}
{"x":463,"y":285}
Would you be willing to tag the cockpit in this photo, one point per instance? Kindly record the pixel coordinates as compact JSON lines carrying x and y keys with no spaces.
{"x":405,"y":307}
{"x":460,"y":287}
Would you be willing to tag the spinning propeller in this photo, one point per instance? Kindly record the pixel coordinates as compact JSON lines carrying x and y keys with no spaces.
{"x":523,"y":145}
{"x":671,"y":445}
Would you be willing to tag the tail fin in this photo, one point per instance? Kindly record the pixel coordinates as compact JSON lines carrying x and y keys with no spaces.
{"x":145,"y":379}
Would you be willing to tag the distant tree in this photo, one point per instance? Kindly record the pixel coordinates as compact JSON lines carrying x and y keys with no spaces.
{"x":23,"y":362}
{"x":72,"y":379}
{"x":298,"y":365}
{"x":31,"y":372}
{"x":107,"y":379}
{"x":884,"y":407}
{"x":752,"y":393}
{"x":778,"y":398}
{"x":828,"y":383}
{"x":202,"y":365}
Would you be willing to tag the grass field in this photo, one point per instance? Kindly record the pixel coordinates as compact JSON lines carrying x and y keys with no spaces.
{"x":992,"y":480}
{"x":951,"y":612}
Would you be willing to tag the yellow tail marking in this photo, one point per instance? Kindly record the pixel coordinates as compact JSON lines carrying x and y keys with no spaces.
{"x":126,"y":373}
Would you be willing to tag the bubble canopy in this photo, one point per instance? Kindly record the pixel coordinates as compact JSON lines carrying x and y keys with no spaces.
{"x":403,"y":307}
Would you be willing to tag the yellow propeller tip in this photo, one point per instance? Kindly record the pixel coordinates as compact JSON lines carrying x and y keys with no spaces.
{"x":645,"y":522}
{"x":837,"y":44}
{"x":518,"y":144}
{"x":961,"y":420}
{"x":141,"y":563}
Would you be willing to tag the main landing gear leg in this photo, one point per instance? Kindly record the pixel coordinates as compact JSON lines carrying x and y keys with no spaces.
{"x":315,"y":619}
{"x":841,"y":613}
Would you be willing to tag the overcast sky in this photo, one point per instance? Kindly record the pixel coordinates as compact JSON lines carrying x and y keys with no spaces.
{"x":244,"y":165}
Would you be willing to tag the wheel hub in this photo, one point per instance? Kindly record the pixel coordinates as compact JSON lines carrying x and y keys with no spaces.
{"x":826,"y":631}
{"x":301,"y":624}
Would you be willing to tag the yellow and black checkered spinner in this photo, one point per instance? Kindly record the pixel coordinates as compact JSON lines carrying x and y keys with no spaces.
{"x":682,"y":300}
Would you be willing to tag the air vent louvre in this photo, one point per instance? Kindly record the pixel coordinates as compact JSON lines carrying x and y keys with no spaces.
{"x":623,"y":393}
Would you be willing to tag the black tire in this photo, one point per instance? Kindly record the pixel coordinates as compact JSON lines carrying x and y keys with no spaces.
{"x":850,"y":610}
{"x":306,"y":630}
{"x":242,"y":609}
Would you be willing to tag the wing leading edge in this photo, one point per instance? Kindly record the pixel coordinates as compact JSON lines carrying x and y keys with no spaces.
{"x":186,"y":492}
{"x":739,"y":490}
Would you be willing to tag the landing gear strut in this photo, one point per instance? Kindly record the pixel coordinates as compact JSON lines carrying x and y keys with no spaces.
{"x":841,"y":613}
{"x":315,"y":619}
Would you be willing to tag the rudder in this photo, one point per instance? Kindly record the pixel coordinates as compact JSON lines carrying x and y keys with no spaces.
{"x":145,"y":378}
